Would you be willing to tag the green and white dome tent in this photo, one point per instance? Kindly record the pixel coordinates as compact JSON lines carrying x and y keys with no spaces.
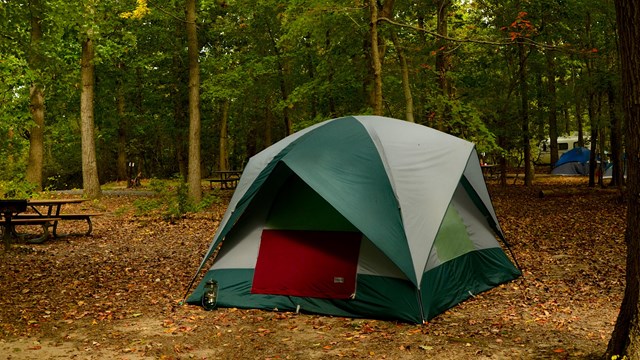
{"x":361,"y":216}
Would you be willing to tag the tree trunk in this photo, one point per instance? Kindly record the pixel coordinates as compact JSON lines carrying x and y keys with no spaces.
{"x":625,"y":339}
{"x":579,"y":122}
{"x":268,"y":126}
{"x":330,"y":73}
{"x":578,"y":107}
{"x":593,"y":139}
{"x":251,"y":140}
{"x":524,"y":113}
{"x":36,"y":137}
{"x":376,"y":100}
{"x":591,"y":98}
{"x":10,"y":158}
{"x":194,"y":177}
{"x":443,"y":62}
{"x":312,"y":76}
{"x":36,"y":94}
{"x":180,"y":106}
{"x":223,"y":165}
{"x":602,"y":137}
{"x":121,"y":162}
{"x":90,"y":181}
{"x":288,"y":124}
{"x":503,"y":161}
{"x":553,"y":107}
{"x":617,"y":176}
{"x":406,"y":84}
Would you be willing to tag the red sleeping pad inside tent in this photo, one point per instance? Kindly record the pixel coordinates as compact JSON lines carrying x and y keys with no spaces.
{"x":319,"y":264}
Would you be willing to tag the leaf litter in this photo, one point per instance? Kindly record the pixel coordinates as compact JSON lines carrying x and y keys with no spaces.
{"x":117,"y":293}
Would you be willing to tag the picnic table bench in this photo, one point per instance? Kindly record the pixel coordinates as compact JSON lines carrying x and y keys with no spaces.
{"x":488,"y":170}
{"x":45,"y":222}
{"x":227,"y":179}
{"x":44,"y":212}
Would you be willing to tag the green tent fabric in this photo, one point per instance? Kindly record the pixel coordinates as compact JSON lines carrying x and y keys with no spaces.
{"x":381,"y":218}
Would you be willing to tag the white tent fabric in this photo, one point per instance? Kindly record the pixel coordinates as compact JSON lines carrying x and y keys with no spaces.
{"x":417,"y":157}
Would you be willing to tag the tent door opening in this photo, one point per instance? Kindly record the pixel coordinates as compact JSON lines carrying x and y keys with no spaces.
{"x":317,"y":264}
{"x":307,"y":248}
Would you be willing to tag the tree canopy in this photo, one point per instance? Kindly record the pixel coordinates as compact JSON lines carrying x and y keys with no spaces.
{"x":268,"y":68}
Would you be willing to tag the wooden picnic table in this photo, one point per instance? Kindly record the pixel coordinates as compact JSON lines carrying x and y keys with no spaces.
{"x":8,"y":209}
{"x":53,"y":206}
{"x":227,"y":179}
{"x":44,"y":212}
{"x":488,"y":170}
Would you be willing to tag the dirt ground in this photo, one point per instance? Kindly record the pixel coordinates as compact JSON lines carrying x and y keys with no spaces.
{"x":116,"y":294}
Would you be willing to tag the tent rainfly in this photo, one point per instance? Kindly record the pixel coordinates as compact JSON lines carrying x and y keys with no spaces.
{"x":573,"y":162}
{"x":361,"y":216}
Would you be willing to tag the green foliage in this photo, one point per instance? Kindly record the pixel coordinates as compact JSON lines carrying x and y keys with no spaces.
{"x":172,"y":200}
{"x":120,"y":211}
{"x":466,"y":122}
{"x":15,"y":79}
{"x":17,"y":189}
{"x":147,"y":205}
{"x":308,"y":59}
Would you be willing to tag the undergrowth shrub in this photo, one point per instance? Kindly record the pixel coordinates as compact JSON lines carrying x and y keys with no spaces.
{"x":16,"y":189}
{"x":172,"y":200}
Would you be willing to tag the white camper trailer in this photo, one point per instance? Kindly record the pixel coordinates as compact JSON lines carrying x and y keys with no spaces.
{"x":565,"y":143}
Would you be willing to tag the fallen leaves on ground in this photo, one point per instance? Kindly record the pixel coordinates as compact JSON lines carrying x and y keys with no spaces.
{"x":116,"y":293}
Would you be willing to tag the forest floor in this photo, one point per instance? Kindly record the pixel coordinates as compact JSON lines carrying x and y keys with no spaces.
{"x":115,"y":294}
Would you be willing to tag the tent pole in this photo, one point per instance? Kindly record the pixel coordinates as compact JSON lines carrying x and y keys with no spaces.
{"x":193,"y":280}
{"x":506,"y":244}
{"x":419,"y":293}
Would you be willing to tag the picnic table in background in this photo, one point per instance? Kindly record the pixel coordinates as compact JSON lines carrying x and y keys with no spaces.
{"x":53,"y":209}
{"x":44,"y":212}
{"x":227,"y":179}
{"x":489,"y":170}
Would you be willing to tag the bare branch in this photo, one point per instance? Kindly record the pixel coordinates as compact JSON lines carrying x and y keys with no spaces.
{"x":435,"y":34}
{"x":9,"y":37}
{"x":171,"y":14}
{"x":525,"y":40}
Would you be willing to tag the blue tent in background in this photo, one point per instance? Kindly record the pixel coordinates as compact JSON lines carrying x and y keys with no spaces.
{"x":573,"y":162}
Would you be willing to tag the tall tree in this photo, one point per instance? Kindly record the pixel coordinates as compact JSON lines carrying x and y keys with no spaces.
{"x":524,"y":112}
{"x":90,"y":181}
{"x":223,"y":154}
{"x":377,"y":12}
{"x":625,"y":340}
{"x":376,"y":61}
{"x":553,"y":106}
{"x":36,"y":95}
{"x":194,"y":177}
{"x":121,"y":162}
{"x":179,"y":102}
{"x":443,"y":62}
{"x":282,"y":80}
{"x":406,"y":84}
{"x":617,"y":178}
